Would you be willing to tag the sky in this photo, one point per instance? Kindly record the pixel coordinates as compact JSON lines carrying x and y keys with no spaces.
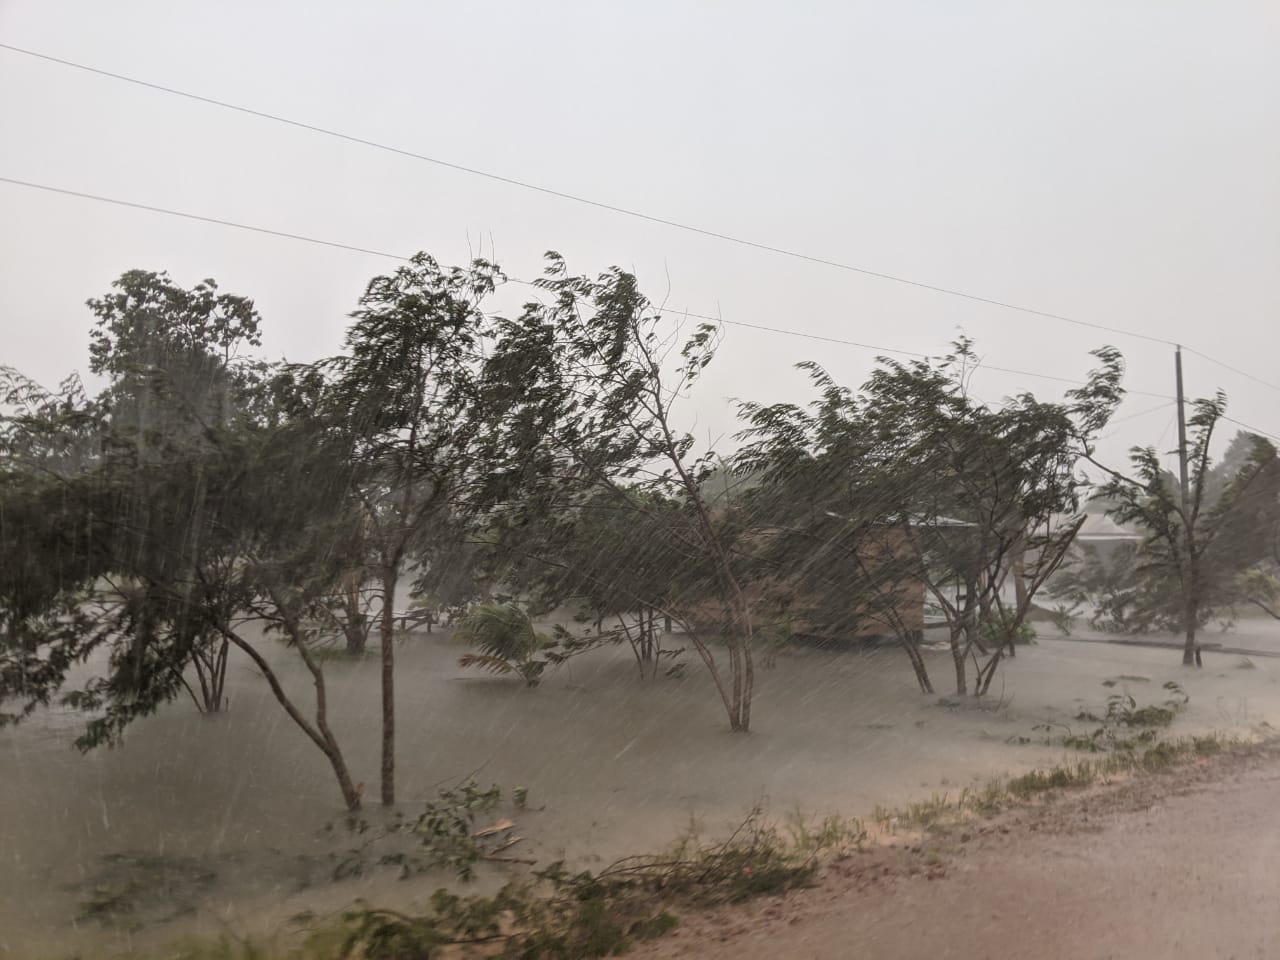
{"x":1113,"y":162}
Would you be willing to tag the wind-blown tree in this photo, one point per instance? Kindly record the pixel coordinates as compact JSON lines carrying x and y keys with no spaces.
{"x":174,"y":532}
{"x":48,"y":546}
{"x":610,"y":559}
{"x":1245,"y":569}
{"x":613,"y":368}
{"x":1197,"y":547}
{"x":408,"y":397}
{"x":175,"y":373}
{"x":912,"y":480}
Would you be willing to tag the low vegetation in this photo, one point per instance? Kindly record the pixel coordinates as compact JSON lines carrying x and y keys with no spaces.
{"x":940,"y":812}
{"x":1125,"y":725}
{"x":558,"y":913}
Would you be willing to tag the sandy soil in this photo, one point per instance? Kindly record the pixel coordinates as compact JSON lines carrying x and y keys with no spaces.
{"x":1184,"y":864}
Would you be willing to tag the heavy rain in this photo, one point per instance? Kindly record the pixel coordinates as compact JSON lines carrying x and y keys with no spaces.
{"x":507,"y":598}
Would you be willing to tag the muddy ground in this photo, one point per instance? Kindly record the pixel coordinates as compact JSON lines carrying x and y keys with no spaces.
{"x":1184,"y":864}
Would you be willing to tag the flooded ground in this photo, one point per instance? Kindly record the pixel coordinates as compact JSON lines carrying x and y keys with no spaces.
{"x":218,"y":824}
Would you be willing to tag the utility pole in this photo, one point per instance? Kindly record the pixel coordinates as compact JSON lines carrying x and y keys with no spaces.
{"x":1191,"y":580}
{"x":1182,"y":433}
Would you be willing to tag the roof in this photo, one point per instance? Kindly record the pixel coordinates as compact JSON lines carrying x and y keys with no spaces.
{"x":915,"y":520}
{"x":1099,"y":527}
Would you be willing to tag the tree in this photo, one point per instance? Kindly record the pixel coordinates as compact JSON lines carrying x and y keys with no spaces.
{"x":913,"y":481}
{"x":172,"y":359}
{"x":154,"y":538}
{"x":605,"y":371}
{"x":610,"y":558}
{"x":406,"y":395}
{"x":1197,"y":546}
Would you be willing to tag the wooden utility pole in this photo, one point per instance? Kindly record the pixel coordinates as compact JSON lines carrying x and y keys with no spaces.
{"x":1182,"y":431}
{"x":1191,"y":563}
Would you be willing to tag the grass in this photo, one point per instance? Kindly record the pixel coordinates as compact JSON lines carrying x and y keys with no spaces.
{"x":1056,"y":778}
{"x":939,"y":812}
{"x":835,"y":835}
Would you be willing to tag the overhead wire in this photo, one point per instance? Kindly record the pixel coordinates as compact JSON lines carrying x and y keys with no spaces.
{"x":610,"y":207}
{"x":1227,"y":366}
{"x":355,"y":248}
{"x":1133,"y":416}
{"x":1261,"y":433}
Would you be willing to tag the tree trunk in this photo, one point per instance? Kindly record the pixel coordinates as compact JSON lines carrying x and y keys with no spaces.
{"x":734,"y":646}
{"x":354,"y":625}
{"x":982,"y":682}
{"x":1021,"y":600}
{"x":356,"y":637}
{"x":1190,"y":618}
{"x":911,"y":643}
{"x":709,"y":661}
{"x":633,"y":642}
{"x":645,"y":636}
{"x":657,"y":645}
{"x":957,"y":657}
{"x":210,"y":662}
{"x":389,"y":578}
{"x":320,"y":734}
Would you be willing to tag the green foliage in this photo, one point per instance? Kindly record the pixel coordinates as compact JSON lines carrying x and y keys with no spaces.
{"x":618,"y":447}
{"x":912,"y":483}
{"x":1125,"y":726}
{"x":446,"y":835}
{"x":1063,"y":616}
{"x":1260,"y":587}
{"x":1198,"y":542}
{"x":569,"y":915}
{"x":1125,"y":593}
{"x":210,"y":495}
{"x":1005,"y":627}
{"x":507,"y":641}
{"x":447,"y":825}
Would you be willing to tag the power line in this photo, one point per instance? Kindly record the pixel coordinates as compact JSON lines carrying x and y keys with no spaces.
{"x":1143,"y":413}
{"x":613,"y":208}
{"x":1235,"y":370}
{"x":577,"y":198}
{"x":303,"y":238}
{"x":1261,"y":433}
{"x":201,"y":218}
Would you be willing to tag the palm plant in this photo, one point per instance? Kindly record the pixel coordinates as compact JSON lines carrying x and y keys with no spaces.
{"x":507,"y":642}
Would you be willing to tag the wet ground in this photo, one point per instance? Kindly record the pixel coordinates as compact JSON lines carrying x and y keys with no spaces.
{"x":213,"y":824}
{"x":1174,"y":866}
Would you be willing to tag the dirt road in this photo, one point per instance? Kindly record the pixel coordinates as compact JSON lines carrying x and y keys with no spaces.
{"x":1185,"y":864}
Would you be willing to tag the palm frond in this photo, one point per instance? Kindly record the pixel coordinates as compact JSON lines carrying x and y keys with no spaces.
{"x":500,"y":630}
{"x":485,"y":662}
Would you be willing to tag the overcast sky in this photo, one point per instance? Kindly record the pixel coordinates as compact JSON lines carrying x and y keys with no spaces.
{"x":1115,"y":162}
